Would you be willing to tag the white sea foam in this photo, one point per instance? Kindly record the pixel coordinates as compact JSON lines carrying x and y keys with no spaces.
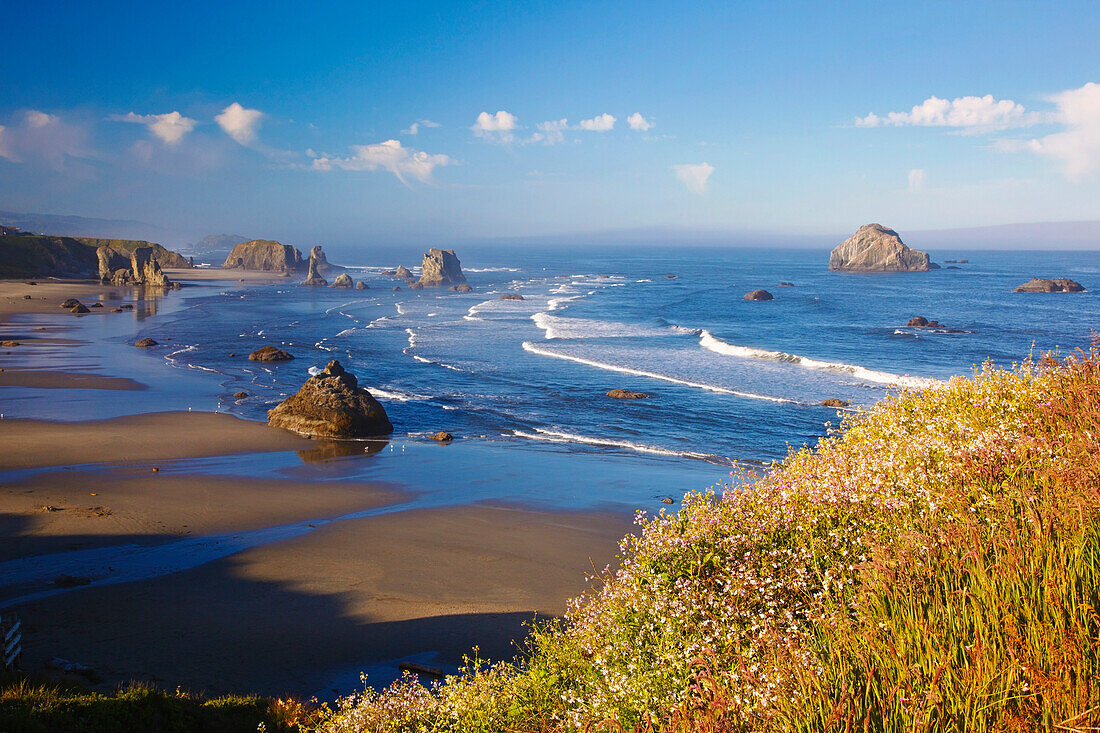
{"x":396,"y":394}
{"x":490,"y":269}
{"x":528,"y":346}
{"x":558,"y":327}
{"x":557,"y":436}
{"x":172,"y":358}
{"x":557,"y":303}
{"x":314,"y":371}
{"x":718,"y":346}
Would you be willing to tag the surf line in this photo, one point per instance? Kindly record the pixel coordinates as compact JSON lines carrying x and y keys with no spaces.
{"x":528,"y":346}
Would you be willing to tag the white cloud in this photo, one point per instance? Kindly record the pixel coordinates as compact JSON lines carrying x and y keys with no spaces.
{"x":403,"y":162}
{"x":695,"y":177}
{"x":981,"y":113}
{"x":1077,"y":146}
{"x":34,"y":118}
{"x":414,"y":128}
{"x":498,"y":128}
{"x":916,"y":180}
{"x":599,"y":123}
{"x":550,"y":132}
{"x":240,"y":123}
{"x":169,"y":127}
{"x":639,"y":123}
{"x":44,"y":137}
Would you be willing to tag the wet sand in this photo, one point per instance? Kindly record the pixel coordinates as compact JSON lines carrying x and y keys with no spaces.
{"x":297,"y":616}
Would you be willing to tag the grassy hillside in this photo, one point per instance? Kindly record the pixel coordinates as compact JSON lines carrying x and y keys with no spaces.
{"x":934,"y":565}
{"x":37,"y":255}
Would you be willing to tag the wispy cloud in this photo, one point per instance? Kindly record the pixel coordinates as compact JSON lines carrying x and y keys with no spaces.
{"x":169,"y":127}
{"x":639,"y":123}
{"x":972,"y":113}
{"x":499,"y":128}
{"x":44,"y":137}
{"x":240,"y":123}
{"x":550,"y":132}
{"x":414,"y":128}
{"x":694,"y":176}
{"x":405,"y":163}
{"x":916,"y":180}
{"x":599,"y":123}
{"x":1078,"y":145}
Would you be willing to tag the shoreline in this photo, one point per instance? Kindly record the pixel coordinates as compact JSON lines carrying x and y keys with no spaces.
{"x":297,"y":614}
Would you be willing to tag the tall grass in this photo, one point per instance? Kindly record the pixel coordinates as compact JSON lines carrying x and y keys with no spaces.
{"x":931,"y":566}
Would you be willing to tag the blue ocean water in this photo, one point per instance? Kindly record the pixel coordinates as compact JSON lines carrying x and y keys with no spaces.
{"x":729,"y":379}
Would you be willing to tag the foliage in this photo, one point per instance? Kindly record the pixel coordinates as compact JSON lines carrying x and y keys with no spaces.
{"x":933,"y":565}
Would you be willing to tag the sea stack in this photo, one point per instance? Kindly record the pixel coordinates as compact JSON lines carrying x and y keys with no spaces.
{"x":332,"y":405}
{"x":1057,"y":285}
{"x":141,"y":269}
{"x":265,"y":255}
{"x":874,"y":248}
{"x":441,"y":267}
{"x":313,"y":277}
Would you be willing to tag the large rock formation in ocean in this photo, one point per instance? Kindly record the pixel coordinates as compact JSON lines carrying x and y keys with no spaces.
{"x":332,"y":405}
{"x":313,"y":277}
{"x":440,"y":267}
{"x":343,"y":280}
{"x":874,"y":248}
{"x":142,"y":268}
{"x":265,"y":255}
{"x":1057,"y":285}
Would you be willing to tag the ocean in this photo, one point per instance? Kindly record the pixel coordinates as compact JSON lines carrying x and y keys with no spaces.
{"x":521,"y":383}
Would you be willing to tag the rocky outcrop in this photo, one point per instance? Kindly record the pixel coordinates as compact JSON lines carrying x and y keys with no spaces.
{"x":165,"y":257}
{"x":269,"y":353}
{"x":145,"y":343}
{"x":833,"y":402}
{"x":69,"y":303}
{"x":343,"y":281}
{"x":874,"y":248}
{"x":402,"y":273}
{"x":626,"y":394}
{"x":511,"y":296}
{"x":360,"y":285}
{"x":264,"y":255}
{"x":313,"y":277}
{"x":333,"y":405}
{"x":79,"y":308}
{"x":442,"y":436}
{"x":461,"y":288}
{"x":1057,"y":285}
{"x":143,"y":269}
{"x":759,"y":295}
{"x":440,"y":267}
{"x":922,"y":322}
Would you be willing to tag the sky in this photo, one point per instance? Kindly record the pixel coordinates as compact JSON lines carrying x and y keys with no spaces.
{"x":358,"y":122}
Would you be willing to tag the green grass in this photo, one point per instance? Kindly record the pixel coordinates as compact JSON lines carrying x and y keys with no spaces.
{"x":31,"y":705}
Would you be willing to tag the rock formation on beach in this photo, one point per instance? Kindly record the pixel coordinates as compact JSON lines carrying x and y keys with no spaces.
{"x":141,"y":269}
{"x":165,"y":257}
{"x":874,"y":248}
{"x":313,"y":277}
{"x":269,"y":353}
{"x":264,"y":255}
{"x":402,"y":273}
{"x":441,"y":267}
{"x":1057,"y":285}
{"x":626,"y":394}
{"x":145,"y":343}
{"x":343,"y":281}
{"x":333,"y":405}
{"x":759,"y":295}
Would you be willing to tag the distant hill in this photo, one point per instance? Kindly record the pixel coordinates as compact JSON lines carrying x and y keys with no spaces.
{"x":214,"y":248}
{"x":81,"y":226}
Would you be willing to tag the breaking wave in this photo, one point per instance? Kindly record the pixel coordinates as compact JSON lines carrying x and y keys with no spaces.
{"x":557,"y":436}
{"x":708,"y":341}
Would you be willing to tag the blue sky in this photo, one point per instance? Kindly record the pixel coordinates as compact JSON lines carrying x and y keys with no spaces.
{"x":279,"y":120}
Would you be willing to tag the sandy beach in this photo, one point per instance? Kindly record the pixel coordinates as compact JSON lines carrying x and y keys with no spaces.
{"x":301,"y":615}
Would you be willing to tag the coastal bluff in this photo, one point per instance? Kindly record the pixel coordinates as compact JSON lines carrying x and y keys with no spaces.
{"x":875,"y":248}
{"x":265,"y":255}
